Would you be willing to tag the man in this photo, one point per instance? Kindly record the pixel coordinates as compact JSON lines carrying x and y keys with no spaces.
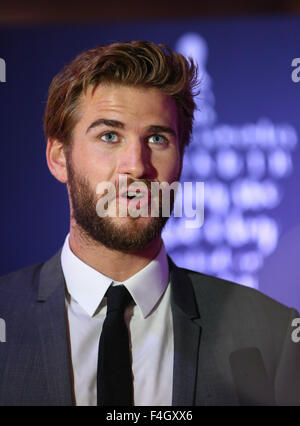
{"x":183,"y":338}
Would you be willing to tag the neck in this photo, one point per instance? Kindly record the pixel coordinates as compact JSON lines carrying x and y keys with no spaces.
{"x":117,"y":265}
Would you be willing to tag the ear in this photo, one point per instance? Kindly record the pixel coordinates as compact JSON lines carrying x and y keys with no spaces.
{"x":56,"y":160}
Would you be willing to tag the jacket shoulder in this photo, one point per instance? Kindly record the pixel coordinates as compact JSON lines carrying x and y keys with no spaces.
{"x":19,"y":284}
{"x":237,"y":298}
{"x":209,"y":284}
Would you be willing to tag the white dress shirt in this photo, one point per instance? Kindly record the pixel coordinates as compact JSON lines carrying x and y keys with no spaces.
{"x":149,"y":321}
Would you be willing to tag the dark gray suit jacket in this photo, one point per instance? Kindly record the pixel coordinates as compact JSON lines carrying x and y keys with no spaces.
{"x":232,"y":345}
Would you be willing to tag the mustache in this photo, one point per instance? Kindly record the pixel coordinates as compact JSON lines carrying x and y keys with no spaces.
{"x":133,"y":184}
{"x":114,"y":190}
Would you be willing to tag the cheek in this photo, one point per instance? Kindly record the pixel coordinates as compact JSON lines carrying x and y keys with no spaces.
{"x":170,"y":169}
{"x":93,"y":164}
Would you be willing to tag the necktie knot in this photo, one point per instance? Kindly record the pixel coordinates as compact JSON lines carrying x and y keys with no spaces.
{"x":118,"y":298}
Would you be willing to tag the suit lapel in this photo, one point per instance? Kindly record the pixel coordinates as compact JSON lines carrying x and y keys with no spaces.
{"x":186,"y":337}
{"x":54,"y":333}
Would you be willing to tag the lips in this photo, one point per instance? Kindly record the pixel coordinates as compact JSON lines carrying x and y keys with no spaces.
{"x":133,"y":200}
{"x":134,"y":194}
{"x":135,"y":190}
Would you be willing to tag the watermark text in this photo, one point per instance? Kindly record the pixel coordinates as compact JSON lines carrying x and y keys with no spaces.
{"x":296,"y":332}
{"x":2,"y":331}
{"x":296,"y":72}
{"x":2,"y":71}
{"x":154,"y":199}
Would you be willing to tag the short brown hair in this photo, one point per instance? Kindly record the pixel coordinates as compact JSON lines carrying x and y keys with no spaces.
{"x":135,"y":63}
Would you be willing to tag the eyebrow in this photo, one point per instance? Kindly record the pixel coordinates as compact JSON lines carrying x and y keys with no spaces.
{"x":119,"y":125}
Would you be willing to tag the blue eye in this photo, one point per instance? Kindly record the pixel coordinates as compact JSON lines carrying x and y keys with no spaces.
{"x":109,"y":137}
{"x":157,"y":139}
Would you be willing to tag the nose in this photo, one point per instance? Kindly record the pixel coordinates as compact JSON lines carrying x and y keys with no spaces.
{"x":135,"y":160}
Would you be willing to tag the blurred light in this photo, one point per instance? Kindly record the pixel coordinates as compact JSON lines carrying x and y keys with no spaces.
{"x":280,"y":163}
{"x":250,"y":261}
{"x":287,"y":136}
{"x":195,"y":260}
{"x":263,"y":134}
{"x":229,"y":164}
{"x":253,"y":195}
{"x":270,"y":196}
{"x":236,"y":230}
{"x":193,"y":45}
{"x":176,"y":232}
{"x":247,"y":280}
{"x":217,"y":197}
{"x":213,"y":230}
{"x":220,"y":259}
{"x":169,"y":235}
{"x":202,"y":163}
{"x":267,"y":235}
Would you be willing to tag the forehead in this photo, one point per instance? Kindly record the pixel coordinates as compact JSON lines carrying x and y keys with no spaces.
{"x":137,"y":105}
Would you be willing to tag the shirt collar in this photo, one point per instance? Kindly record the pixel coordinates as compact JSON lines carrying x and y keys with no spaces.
{"x":148,"y":285}
{"x":88,"y":286}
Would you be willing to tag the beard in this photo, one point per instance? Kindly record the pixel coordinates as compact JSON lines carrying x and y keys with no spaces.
{"x":122,"y":234}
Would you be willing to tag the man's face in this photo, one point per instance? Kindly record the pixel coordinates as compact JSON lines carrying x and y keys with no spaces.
{"x":121,"y":131}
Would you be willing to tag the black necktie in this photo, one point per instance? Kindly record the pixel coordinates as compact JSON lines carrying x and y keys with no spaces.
{"x":114,"y":376}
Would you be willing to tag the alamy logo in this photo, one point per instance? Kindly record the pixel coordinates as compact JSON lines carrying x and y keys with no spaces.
{"x":2,"y":71}
{"x":2,"y":331}
{"x":154,"y":199}
{"x":296,"y":332}
{"x":296,"y":72}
